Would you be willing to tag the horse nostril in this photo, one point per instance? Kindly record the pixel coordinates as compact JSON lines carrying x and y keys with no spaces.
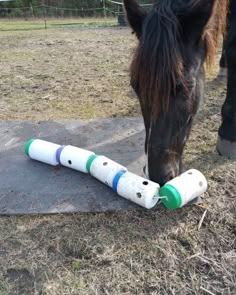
{"x":169,"y":176}
{"x":144,"y":169}
{"x":145,"y":172}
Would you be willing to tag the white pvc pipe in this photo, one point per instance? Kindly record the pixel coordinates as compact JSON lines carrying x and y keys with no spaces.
{"x":105,"y":169}
{"x":128,"y":185}
{"x":42,"y":151}
{"x":75,"y":158}
{"x":138,"y":190}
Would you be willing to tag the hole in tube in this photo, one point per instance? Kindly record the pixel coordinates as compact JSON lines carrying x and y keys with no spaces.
{"x":70,"y":162}
{"x":139,"y":195}
{"x":105,"y":163}
{"x":145,"y":183}
{"x":190,"y":173}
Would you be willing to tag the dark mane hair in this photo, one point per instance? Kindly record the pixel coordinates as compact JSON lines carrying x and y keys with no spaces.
{"x":159,"y":55}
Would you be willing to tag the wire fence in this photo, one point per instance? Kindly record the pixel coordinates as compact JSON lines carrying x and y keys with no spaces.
{"x":104,"y":9}
{"x":49,"y":11}
{"x":104,"y":13}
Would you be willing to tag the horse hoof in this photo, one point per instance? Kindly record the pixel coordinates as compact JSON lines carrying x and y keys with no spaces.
{"x":226,"y":148}
{"x":223,"y":72}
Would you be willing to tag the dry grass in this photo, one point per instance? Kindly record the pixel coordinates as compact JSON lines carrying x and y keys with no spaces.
{"x":83,"y":74}
{"x":65,"y":74}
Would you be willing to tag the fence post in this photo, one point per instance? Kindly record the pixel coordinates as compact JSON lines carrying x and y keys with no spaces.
{"x":32,"y":9}
{"x":104,"y":8}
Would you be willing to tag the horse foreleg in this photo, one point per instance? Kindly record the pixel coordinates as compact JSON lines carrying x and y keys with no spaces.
{"x":226,"y":144}
{"x":223,"y":65}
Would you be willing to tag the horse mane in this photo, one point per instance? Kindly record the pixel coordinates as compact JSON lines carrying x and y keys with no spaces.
{"x":157,"y":69}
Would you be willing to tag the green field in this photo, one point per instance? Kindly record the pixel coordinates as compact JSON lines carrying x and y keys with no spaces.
{"x":40,"y":24}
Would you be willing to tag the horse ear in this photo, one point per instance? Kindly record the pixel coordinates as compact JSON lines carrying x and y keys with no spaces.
{"x":195,"y":17}
{"x":135,"y":15}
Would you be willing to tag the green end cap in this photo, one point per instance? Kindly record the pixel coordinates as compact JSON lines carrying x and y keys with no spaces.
{"x":171,"y":197}
{"x":90,"y":161}
{"x":27,"y":146}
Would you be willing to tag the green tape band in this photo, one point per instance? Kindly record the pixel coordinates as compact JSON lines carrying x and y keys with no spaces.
{"x":90,"y":161}
{"x":27,"y":146}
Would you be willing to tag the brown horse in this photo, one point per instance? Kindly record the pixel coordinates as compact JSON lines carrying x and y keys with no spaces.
{"x":167,"y":73}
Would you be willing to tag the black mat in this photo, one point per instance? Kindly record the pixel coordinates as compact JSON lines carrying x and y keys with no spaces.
{"x":30,"y":187}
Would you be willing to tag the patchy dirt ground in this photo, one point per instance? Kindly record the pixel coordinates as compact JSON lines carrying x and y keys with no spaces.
{"x":65,"y":73}
{"x":83,"y":73}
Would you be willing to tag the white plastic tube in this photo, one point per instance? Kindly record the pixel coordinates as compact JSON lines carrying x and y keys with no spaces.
{"x":138,"y":190}
{"x":105,"y":169}
{"x":128,"y":185}
{"x":75,"y":158}
{"x":183,"y":189}
{"x":42,"y":151}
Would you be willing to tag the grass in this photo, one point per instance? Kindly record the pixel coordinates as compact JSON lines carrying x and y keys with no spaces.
{"x":40,"y":24}
{"x":82,"y":74}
